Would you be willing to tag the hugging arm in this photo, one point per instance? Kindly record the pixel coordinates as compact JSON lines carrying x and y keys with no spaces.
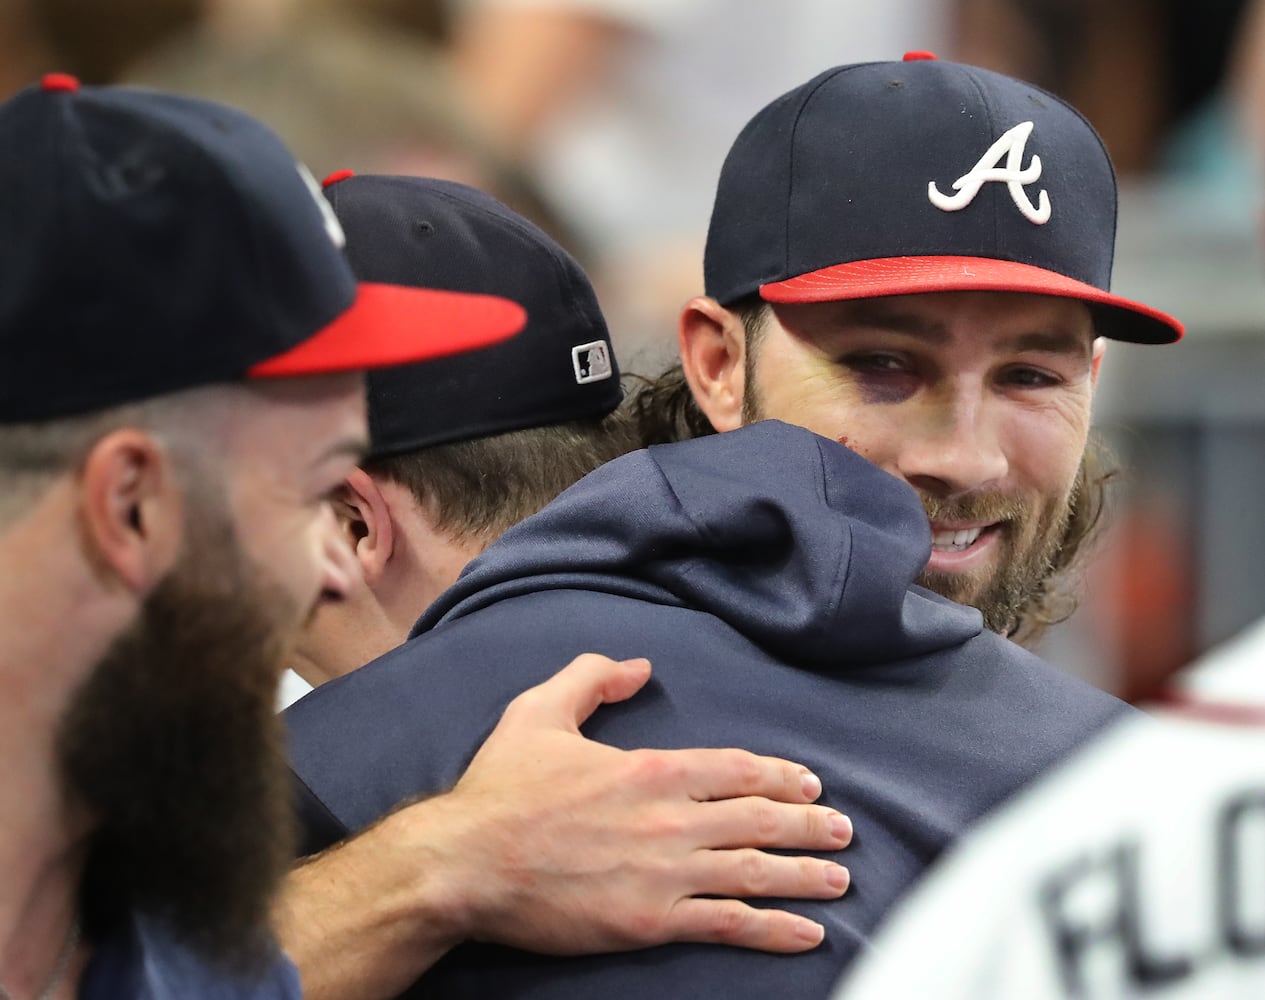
{"x":554,"y":843}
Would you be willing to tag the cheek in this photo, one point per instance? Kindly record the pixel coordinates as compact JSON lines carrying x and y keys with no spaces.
{"x":872,"y":439}
{"x":815,"y":397}
{"x":319,"y":535}
{"x":1045,"y":450}
{"x":291,"y":554}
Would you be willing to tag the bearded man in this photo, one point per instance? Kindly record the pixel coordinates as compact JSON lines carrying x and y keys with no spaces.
{"x":933,"y":292}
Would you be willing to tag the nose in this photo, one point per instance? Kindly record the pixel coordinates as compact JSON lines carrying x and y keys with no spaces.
{"x":953,"y":445}
{"x":340,"y":569}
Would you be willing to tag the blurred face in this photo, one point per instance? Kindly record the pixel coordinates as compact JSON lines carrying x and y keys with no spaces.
{"x":979,"y":400}
{"x":290,"y":454}
{"x":173,"y":743}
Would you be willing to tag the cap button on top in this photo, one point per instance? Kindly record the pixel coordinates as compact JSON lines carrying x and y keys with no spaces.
{"x":336,"y":176}
{"x":918,"y":54}
{"x":60,"y":81}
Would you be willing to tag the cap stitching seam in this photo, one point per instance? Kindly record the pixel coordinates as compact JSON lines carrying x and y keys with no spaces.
{"x":548,"y":245}
{"x":790,"y":174}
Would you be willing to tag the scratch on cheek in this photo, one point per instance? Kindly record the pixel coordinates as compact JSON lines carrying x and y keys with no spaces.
{"x":847,"y":443}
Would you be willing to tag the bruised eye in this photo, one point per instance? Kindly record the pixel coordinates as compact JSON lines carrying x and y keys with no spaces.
{"x":878,"y":363}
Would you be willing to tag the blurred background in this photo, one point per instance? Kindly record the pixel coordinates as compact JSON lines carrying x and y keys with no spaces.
{"x":606,"y":121}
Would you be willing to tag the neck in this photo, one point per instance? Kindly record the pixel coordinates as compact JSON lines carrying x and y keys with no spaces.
{"x":428,"y":561}
{"x":39,"y":915}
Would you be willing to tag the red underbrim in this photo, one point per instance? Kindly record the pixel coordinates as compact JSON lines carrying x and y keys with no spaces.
{"x":396,"y":324}
{"x":910,"y":275}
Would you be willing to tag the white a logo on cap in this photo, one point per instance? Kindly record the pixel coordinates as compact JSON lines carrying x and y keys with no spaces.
{"x":1013,"y":175}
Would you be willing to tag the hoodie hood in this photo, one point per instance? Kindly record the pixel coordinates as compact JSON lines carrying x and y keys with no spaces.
{"x":795,"y":541}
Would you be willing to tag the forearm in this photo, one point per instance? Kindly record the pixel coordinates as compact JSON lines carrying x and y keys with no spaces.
{"x":365,"y":919}
{"x":555,"y":844}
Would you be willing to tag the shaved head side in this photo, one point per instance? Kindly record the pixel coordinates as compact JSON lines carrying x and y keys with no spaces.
{"x":33,"y":455}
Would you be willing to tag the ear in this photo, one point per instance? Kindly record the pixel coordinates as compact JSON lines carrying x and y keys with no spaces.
{"x":365,"y":515}
{"x":712,"y":342}
{"x":131,"y":508}
{"x":1099,"y":349}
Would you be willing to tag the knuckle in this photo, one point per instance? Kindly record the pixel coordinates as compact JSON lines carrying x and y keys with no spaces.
{"x":766,"y":822}
{"x":660,"y":770}
{"x":662,"y":824}
{"x":747,"y":771}
{"x":522,"y":703}
{"x":643,"y":927}
{"x":754,"y":872}
{"x":812,"y":874}
{"x":731,"y":921}
{"x":817,"y":826}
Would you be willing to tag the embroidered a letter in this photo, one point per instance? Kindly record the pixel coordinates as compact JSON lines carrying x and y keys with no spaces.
{"x":1013,"y":175}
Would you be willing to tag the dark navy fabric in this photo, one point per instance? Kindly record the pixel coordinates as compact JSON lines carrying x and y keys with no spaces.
{"x":767,"y":573}
{"x":140,"y":961}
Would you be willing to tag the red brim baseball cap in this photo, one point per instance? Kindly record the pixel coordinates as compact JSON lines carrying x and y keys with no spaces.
{"x":151,"y":243}
{"x":866,"y":279}
{"x":390,"y":325}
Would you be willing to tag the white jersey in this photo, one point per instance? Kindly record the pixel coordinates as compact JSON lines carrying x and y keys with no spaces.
{"x":1135,"y":870}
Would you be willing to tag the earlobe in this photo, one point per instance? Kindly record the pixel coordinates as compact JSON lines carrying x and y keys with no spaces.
{"x":365,"y":515}
{"x":712,"y":344}
{"x":131,"y":510}
{"x":1099,"y":350}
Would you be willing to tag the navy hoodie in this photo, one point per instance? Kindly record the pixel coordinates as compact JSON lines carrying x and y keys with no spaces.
{"x":768,"y":575}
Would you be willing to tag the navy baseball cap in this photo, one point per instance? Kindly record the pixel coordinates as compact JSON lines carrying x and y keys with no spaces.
{"x":923,"y":175}
{"x":441,"y":234}
{"x":151,"y":243}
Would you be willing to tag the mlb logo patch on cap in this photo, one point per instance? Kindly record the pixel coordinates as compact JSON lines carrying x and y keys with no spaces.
{"x":592,"y":362}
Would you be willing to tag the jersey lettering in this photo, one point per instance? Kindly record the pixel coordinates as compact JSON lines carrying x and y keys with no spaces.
{"x":1100,"y":915}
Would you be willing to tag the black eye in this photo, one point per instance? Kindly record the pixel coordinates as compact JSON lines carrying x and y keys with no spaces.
{"x":877,"y":363}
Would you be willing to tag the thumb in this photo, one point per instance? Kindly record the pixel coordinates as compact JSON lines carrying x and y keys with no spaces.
{"x":571,"y":695}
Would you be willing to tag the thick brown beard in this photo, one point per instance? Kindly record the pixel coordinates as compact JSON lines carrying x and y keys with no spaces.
{"x":1025,"y":564}
{"x":174,"y":746}
{"x":1018,"y":585}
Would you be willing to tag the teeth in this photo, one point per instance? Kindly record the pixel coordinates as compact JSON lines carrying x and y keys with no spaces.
{"x":954,"y":541}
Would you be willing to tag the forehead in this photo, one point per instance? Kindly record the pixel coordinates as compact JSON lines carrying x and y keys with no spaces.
{"x":992,"y":319}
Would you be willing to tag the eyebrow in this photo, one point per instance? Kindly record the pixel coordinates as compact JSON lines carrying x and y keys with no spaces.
{"x":1053,"y":342}
{"x":357,"y":447}
{"x":867,"y":313}
{"x":1057,"y":340}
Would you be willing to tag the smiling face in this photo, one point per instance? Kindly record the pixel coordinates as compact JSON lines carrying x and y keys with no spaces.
{"x":172,"y":743}
{"x":979,"y":400}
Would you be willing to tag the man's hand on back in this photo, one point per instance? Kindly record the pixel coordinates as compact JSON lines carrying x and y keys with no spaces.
{"x":554,"y":843}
